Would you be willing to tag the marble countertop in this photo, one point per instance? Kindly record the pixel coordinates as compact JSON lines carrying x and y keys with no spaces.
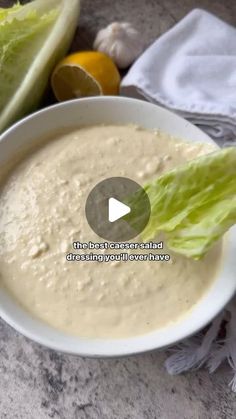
{"x":37,"y":383}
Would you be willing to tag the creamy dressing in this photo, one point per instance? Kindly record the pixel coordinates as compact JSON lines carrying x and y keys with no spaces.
{"x":42,"y":213}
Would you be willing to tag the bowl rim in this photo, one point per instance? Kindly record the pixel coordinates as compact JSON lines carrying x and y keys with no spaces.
{"x":36,"y":329}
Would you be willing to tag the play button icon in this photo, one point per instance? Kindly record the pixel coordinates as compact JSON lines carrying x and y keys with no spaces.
{"x":117,"y":209}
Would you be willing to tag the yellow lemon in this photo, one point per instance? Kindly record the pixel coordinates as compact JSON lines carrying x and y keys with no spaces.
{"x":86,"y":73}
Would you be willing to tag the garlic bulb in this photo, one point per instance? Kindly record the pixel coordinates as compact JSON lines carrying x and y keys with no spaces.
{"x":121,"y":42}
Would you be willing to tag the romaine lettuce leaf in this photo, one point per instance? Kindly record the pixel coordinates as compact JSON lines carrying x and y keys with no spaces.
{"x":20,"y":40}
{"x":33,"y":38}
{"x":7,"y":12}
{"x":195,"y":204}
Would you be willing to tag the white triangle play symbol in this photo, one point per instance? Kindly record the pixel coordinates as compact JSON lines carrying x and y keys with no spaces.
{"x":116,"y":210}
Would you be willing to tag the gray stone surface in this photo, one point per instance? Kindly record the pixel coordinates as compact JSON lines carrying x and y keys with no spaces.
{"x":37,"y":383}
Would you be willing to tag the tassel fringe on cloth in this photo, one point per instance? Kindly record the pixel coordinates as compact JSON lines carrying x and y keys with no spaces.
{"x":208,"y":349}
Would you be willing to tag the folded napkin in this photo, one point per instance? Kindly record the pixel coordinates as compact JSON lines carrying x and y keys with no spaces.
{"x":191,"y":69}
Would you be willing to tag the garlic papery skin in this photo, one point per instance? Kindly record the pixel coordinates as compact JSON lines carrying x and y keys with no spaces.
{"x":121,"y":42}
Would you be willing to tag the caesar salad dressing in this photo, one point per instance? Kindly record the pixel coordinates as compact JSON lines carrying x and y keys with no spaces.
{"x":42,"y":213}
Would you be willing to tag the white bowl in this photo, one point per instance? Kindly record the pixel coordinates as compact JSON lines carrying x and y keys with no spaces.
{"x":114,"y":110}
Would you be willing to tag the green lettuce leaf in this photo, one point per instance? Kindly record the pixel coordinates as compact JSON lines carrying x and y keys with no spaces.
{"x":33,"y":38}
{"x":194,"y":205}
{"x":20,"y":40}
{"x":4,"y":13}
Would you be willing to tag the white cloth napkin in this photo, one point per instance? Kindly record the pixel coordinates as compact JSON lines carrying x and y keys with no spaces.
{"x":191,"y":69}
